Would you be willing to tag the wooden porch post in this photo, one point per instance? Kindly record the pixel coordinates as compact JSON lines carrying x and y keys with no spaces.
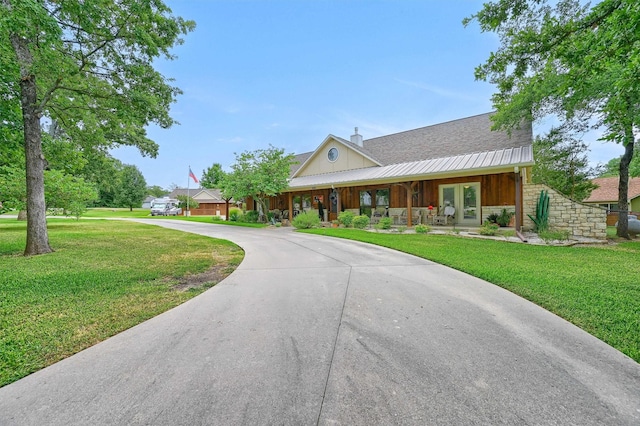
{"x":518,"y":198}
{"x":338,"y":201}
{"x":290,"y":206}
{"x":408,"y":186}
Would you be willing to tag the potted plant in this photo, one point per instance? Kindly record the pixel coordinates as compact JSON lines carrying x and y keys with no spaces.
{"x":504,"y":218}
{"x":335,"y":223}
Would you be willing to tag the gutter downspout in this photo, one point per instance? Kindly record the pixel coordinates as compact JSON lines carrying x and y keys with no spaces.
{"x":518,"y":178}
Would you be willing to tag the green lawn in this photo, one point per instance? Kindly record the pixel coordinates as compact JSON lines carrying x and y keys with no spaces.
{"x":596,"y":288}
{"x":104,"y":277}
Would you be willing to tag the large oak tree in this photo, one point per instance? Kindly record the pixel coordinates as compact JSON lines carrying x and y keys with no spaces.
{"x":570,"y":60}
{"x":88,"y":65}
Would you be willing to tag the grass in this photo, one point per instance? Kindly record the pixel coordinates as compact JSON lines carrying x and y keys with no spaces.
{"x":104,"y":277}
{"x":596,"y":288}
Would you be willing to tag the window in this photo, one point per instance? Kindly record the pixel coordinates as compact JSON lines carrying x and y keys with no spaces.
{"x":332,"y":155}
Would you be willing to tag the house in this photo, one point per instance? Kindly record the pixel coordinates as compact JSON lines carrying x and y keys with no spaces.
{"x":146,"y":204}
{"x":411,"y":176}
{"x":606,"y":196}
{"x":210,"y":201}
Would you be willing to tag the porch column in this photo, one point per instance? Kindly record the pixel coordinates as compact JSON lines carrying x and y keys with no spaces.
{"x":408,"y":186}
{"x":518,"y":178}
{"x":338,"y":201}
{"x":290,"y":206}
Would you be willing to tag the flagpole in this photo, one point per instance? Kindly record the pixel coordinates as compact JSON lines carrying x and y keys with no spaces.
{"x":188,"y":177}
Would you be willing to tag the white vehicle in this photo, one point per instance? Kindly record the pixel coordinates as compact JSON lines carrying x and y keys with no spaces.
{"x":165,"y":207}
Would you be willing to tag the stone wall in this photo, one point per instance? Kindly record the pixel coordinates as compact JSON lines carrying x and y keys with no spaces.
{"x":581,"y":220}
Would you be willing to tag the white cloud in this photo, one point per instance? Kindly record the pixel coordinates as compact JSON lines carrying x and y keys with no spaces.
{"x":440,"y":91}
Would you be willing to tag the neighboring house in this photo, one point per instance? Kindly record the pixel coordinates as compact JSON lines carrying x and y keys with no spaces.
{"x":460,"y":163}
{"x":146,"y":204}
{"x":606,"y":196}
{"x":210,"y":201}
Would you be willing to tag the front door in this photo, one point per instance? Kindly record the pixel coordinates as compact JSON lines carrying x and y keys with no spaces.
{"x":465,"y":198}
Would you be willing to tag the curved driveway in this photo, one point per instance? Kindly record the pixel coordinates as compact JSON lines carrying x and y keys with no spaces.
{"x":313,"y":330}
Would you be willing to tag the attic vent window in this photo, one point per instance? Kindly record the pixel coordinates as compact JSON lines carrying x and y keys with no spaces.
{"x":332,"y":155}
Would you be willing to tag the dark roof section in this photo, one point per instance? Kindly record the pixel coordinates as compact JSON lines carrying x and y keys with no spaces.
{"x":452,"y":138}
{"x":298,"y":161}
{"x":457,"y":137}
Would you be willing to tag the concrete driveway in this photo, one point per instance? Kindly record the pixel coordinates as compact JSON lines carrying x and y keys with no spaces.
{"x":313,"y":330}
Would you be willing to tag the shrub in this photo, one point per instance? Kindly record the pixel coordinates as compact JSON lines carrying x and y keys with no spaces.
{"x":401,"y":229}
{"x":489,"y":228}
{"x":361,"y":221}
{"x":217,"y":219}
{"x":504,"y":218}
{"x":346,"y":218}
{"x":250,"y":217}
{"x":422,"y":229}
{"x":235,"y":214}
{"x":385,"y":223}
{"x":493,"y":218}
{"x":306,"y":220}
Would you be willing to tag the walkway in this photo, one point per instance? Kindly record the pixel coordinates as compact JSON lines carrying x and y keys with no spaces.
{"x":313,"y":330}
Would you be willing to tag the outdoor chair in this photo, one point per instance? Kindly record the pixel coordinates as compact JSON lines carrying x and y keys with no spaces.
{"x":445,"y":217}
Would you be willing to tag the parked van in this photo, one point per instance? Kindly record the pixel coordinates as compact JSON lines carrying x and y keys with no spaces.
{"x":165,"y":207}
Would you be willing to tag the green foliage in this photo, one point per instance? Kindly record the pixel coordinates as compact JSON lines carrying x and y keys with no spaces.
{"x":62,"y":191}
{"x":306,"y":220}
{"x":235,"y":214}
{"x":612,"y":168}
{"x":156,"y":191}
{"x":385,"y":223}
{"x":489,"y":228}
{"x":258,"y":174}
{"x":132,"y":188}
{"x":212,"y":177}
{"x":493,"y":218}
{"x":251,"y":216}
{"x":360,"y":221}
{"x":193,"y":204}
{"x":569,"y":60}
{"x":562,"y":164}
{"x":13,"y":188}
{"x":88,"y":68}
{"x":422,"y":228}
{"x":541,"y":221}
{"x":346,"y":218}
{"x":504,"y":217}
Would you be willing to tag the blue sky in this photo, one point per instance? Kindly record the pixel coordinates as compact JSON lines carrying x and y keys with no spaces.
{"x":288,"y":73}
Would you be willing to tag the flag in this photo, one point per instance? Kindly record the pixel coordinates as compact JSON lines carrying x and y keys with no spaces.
{"x":192,"y":176}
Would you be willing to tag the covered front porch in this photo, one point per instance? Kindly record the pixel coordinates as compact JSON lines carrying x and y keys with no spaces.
{"x":446,"y":201}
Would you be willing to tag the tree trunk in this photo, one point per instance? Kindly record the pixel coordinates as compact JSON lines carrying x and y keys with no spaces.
{"x":22,"y":215}
{"x":623,"y":185}
{"x":37,"y":235}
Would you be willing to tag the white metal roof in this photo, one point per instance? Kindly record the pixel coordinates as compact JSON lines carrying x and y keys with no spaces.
{"x":490,"y":160}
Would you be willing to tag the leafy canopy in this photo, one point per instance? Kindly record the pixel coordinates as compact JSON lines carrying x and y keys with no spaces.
{"x":93,"y":63}
{"x":258,"y":174}
{"x":569,"y":60}
{"x":562,"y":164}
{"x":212,"y":177}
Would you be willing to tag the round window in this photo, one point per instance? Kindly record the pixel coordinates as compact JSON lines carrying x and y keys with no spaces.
{"x":332,"y":155}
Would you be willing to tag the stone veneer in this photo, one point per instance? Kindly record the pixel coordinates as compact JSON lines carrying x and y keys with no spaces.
{"x":581,"y":220}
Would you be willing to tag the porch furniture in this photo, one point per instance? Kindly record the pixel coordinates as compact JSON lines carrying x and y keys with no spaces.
{"x":402,"y":219}
{"x":446,"y":216}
